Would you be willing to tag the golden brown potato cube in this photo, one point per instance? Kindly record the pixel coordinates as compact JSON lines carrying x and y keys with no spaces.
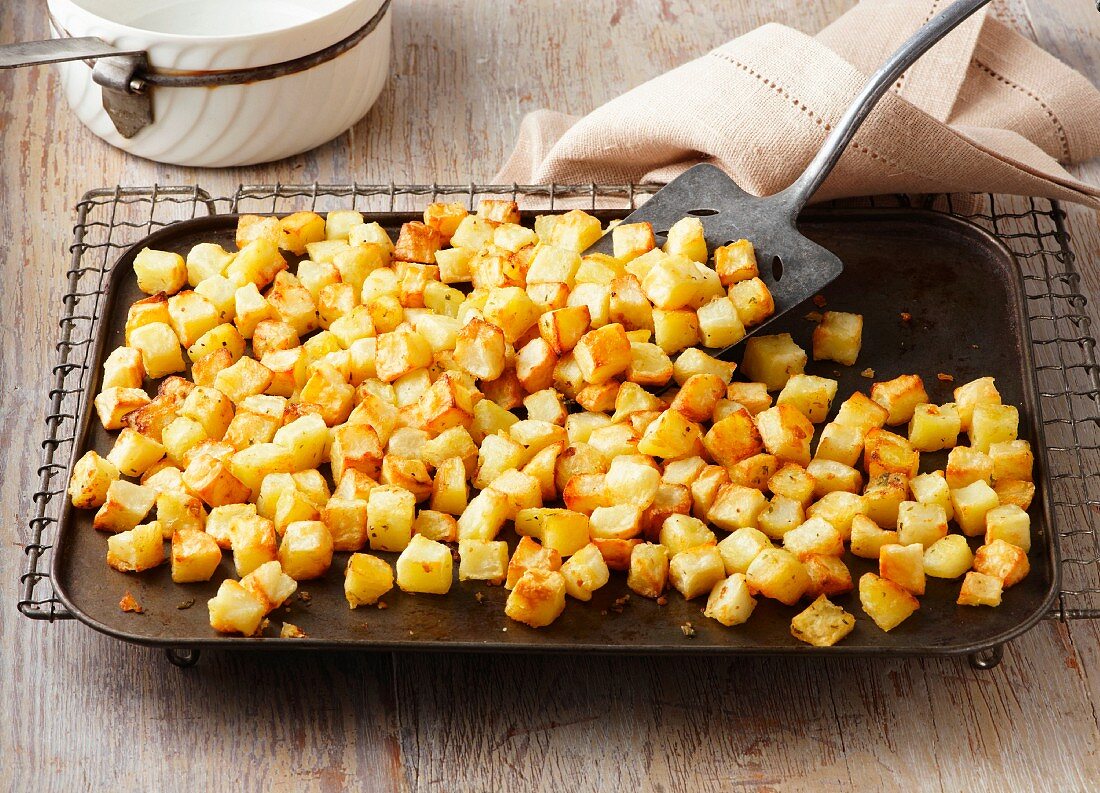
{"x":138,"y":549}
{"x":828,"y":575}
{"x":92,"y":477}
{"x":552,"y":265}
{"x":159,"y":271}
{"x":306,"y":550}
{"x":786,"y":433}
{"x":979,"y":589}
{"x":438,"y":526}
{"x":249,"y":428}
{"x":1009,"y":523}
{"x":628,"y":304}
{"x":730,"y":601}
{"x":270,"y":585}
{"x":298,"y":230}
{"x":549,"y":297}
{"x":480,"y":349}
{"x":546,"y":405}
{"x":123,"y":369}
{"x":695,"y":361}
{"x":921,"y":523}
{"x":1012,"y":460}
{"x":210,"y":479}
{"x":971,"y":504}
{"x":704,"y":490}
{"x":792,"y":481}
{"x":736,"y":262}
{"x":649,"y":365}
{"x":631,"y":240}
{"x":159,"y":348}
{"x":506,"y":391}
{"x":148,"y":310}
{"x":810,"y":395}
{"x":861,"y":412}
{"x":990,"y":424}
{"x":736,"y":506}
{"x":753,"y":301}
{"x":417,"y":243}
{"x":220,"y":337}
{"x":511,"y":310}
{"x":948,"y":557}
{"x":221,"y":522}
{"x":351,"y":225}
{"x":530,"y":555}
{"x":631,"y":481}
{"x":669,"y":435}
{"x":243,"y":379}
{"x":498,"y":211}
{"x":293,"y":304}
{"x":408,"y":474}
{"x":151,"y":419}
{"x":676,"y":330}
{"x":585,"y":572}
{"x":696,"y":571}
{"x":838,"y":337}
{"x":603,"y":353}
{"x":982,"y":391}
{"x":885,"y":602}
{"x":254,"y":543}
{"x":772,"y":360}
{"x":190,"y":316}
{"x":535,"y":364}
{"x":823,"y":624}
{"x":204,"y":370}
{"x":575,"y":230}
{"x":494,"y":266}
{"x":839,"y":508}
{"x":257,"y":227}
{"x":390,"y":514}
{"x":210,"y":408}
{"x":680,"y":533}
{"x":698,"y":396}
{"x":648,"y":569}
{"x":740,"y":548}
{"x":1002,"y":560}
{"x":900,"y":397}
{"x":177,"y":511}
{"x":868,"y":539}
{"x":883,"y":496}
{"x":133,"y":453}
{"x":425,"y":566}
{"x":366,"y":579}
{"x":934,"y":427}
{"x":538,"y":598}
{"x":195,"y":556}
{"x":113,"y":405}
{"x":346,"y":520}
{"x":887,"y":453}
{"x":236,"y":610}
{"x":815,"y":536}
{"x":776,"y":573}
{"x":400,"y":352}
{"x":733,"y":439}
{"x":904,"y":565}
{"x":307,"y":438}
{"x":444,"y":218}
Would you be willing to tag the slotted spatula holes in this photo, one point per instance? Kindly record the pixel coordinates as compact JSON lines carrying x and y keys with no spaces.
{"x":777,"y":269}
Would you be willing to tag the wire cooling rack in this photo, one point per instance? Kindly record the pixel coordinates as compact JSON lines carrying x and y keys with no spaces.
{"x":108,"y":220}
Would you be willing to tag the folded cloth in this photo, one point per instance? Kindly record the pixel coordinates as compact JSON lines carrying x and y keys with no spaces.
{"x":985,"y":110}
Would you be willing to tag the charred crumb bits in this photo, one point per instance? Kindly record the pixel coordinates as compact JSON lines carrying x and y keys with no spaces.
{"x":688,"y":630}
{"x":820,"y":301}
{"x":305,"y":597}
{"x":869,"y":373}
{"x":906,"y":317}
{"x":945,"y":378}
{"x":479,"y":597}
{"x":186,"y":604}
{"x":382,"y":605}
{"x":662,"y":601}
{"x":620,"y":603}
{"x":815,"y":316}
{"x":130,"y":605}
{"x":291,"y":631}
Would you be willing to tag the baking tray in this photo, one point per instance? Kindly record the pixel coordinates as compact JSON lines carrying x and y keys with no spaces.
{"x":962,"y":289}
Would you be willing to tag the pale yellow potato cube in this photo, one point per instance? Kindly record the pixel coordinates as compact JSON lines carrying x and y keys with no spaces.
{"x":670,"y":435}
{"x":122,"y":369}
{"x":137,"y":549}
{"x":159,"y":347}
{"x":868,"y":539}
{"x":306,"y":550}
{"x":861,"y":412}
{"x":133,"y":453}
{"x":243,"y":379}
{"x":719,"y":323}
{"x":730,"y":601}
{"x":1009,"y":523}
{"x":221,"y":521}
{"x":628,"y":304}
{"x":948,"y":557}
{"x":982,"y":391}
{"x":694,"y":362}
{"x":472,"y":232}
{"x":811,"y":395}
{"x":885,"y":602}
{"x":483,"y":560}
{"x":839,"y":508}
{"x":696,"y":571}
{"x":904,"y":565}
{"x":346,"y":519}
{"x":705,"y":488}
{"x":970,"y":505}
{"x":191,"y":315}
{"x":792,"y":481}
{"x":682,"y":532}
{"x":484,"y":516}
{"x":366,"y":579}
{"x":823,"y":624}
{"x":772,"y":360}
{"x":991,"y":424}
{"x":753,"y":301}
{"x":831,"y":476}
{"x":816,"y":536}
{"x":91,"y":479}
{"x":236,"y":610}
{"x":1002,"y":560}
{"x":741,"y":548}
{"x":631,"y":482}
{"x":1012,"y":460}
{"x":425,"y":567}
{"x":251,"y":309}
{"x":339,"y":223}
{"x":159,"y":271}
{"x":390,"y":514}
{"x":575,"y":230}
{"x":649,"y":365}
{"x":206,"y":260}
{"x":254,"y":543}
{"x":979,"y":589}
{"x":900,"y":397}
{"x":222,"y":294}
{"x":778,"y":574}
{"x":307,"y":438}
{"x":621,"y":521}
{"x":921,"y":523}
{"x":841,"y":443}
{"x":676,"y":330}
{"x":480,"y":349}
{"x":449,"y":491}
{"x":648,"y":570}
{"x":686,"y":238}
{"x":220,"y":337}
{"x":932,"y":488}
{"x":780,"y":516}
{"x":256,"y":227}
{"x":838,"y":337}
{"x":883,"y":496}
{"x":563,"y":531}
{"x":934,"y":427}
{"x":195,"y":556}
{"x":538,"y":597}
{"x":585,"y":572}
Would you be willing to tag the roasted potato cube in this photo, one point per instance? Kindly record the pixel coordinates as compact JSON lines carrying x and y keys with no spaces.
{"x":772,"y":360}
{"x":220,"y":337}
{"x":1009,"y":523}
{"x":694,"y":361}
{"x":138,"y":549}
{"x":1012,"y":460}
{"x":549,"y":297}
{"x":776,"y":573}
{"x":741,"y":548}
{"x":438,"y":526}
{"x":900,"y":397}
{"x":483,"y":516}
{"x":530,"y":555}
{"x":236,"y":610}
{"x":538,"y":598}
{"x":979,"y":589}
{"x":133,"y":453}
{"x":680,"y":533}
{"x":254,"y":543}
{"x":123,"y":369}
{"x":840,"y":509}
{"x":585,"y":572}
{"x":257,"y":227}
{"x":780,"y":516}
{"x":408,"y":474}
{"x":786,"y":433}
{"x":472,"y":232}
{"x":206,"y":260}
{"x":346,"y":519}
{"x":252,"y":308}
{"x":932,"y":488}
{"x":270,"y":585}
{"x":222,"y":294}
{"x":971,"y":504}
{"x":483,"y":560}
{"x":831,"y":476}
{"x":191,"y":315}
{"x":982,"y":391}
{"x":243,"y":379}
{"x":810,"y":395}
{"x":696,"y":571}
{"x":148,"y":310}
{"x":258,"y":263}
{"x":603,"y":353}
{"x":733,"y":439}
{"x":497,"y":211}
{"x":535,"y":365}
{"x":210,"y":408}
{"x":306,"y":550}
{"x":838,"y":337}
{"x":823,"y":624}
{"x":417,"y":242}
{"x":686,"y":239}
{"x":211,"y":480}
{"x":934,"y":427}
{"x":358,"y":232}
{"x":670,"y":435}
{"x":887,"y":453}
{"x":160,"y":349}
{"x":444,"y":218}
{"x":704,"y":490}
{"x":307,"y":438}
{"x":628,"y":481}
{"x":575,"y":230}
{"x":159,"y":271}
{"x":299,"y":229}
{"x":793,"y":481}
{"x":828,"y":575}
{"x":293,"y":304}
{"x":195,"y":556}
{"x":885,"y":602}
{"x":868,"y":539}
{"x":883,"y":496}
{"x":736,"y":506}
{"x":841,"y":443}
{"x":861,"y":412}
{"x":919,"y":523}
{"x":621,"y":521}
{"x":628,"y":304}
{"x":730,"y":601}
{"x":675,"y":330}
{"x":221,"y":521}
{"x":904,"y":565}
{"x":480,"y":349}
{"x":366,"y":579}
{"x":948,"y":557}
{"x":425,"y":567}
{"x":340,"y":223}
{"x":511,"y":310}
{"x":753,"y":301}
{"x":91,"y":479}
{"x":649,"y":365}
{"x":1002,"y":560}
{"x":699,"y":395}
{"x":522,"y":491}
{"x":400,"y":352}
{"x":553,"y":265}
{"x":991,"y":424}
{"x":719,"y":323}
{"x":814,"y":537}
{"x":736,"y":262}
{"x":648,"y":569}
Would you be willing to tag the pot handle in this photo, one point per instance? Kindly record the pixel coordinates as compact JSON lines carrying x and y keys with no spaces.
{"x":126,"y":96}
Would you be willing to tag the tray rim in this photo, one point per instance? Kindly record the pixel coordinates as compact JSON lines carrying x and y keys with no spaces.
{"x":954,"y":223}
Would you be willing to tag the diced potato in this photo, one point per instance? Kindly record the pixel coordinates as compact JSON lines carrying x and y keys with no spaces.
{"x":480,"y":349}
{"x":780,"y":516}
{"x":971,"y":504}
{"x":685,"y":238}
{"x":736,"y":506}
{"x":887,"y":453}
{"x":900,"y":397}
{"x":841,"y":443}
{"x":776,"y":573}
{"x":484,"y":516}
{"x":816,"y":536}
{"x":982,"y":391}
{"x":948,"y":557}
{"x":1002,"y":560}
{"x":1012,"y":460}
{"x":366,"y":579}
{"x":919,"y":523}
{"x":585,"y":572}
{"x":122,"y":369}
{"x":538,"y":598}
{"x":408,"y":474}
{"x":124,"y":506}
{"x":243,"y":379}
{"x":979,"y":589}
{"x":270,"y":585}
{"x":630,"y":482}
{"x":885,"y":602}
{"x":752,"y":300}
{"x":1009,"y":523}
{"x":390,"y":514}
{"x":868,"y":539}
{"x":811,"y":395}
{"x":932,"y":488}
{"x":697,"y":570}
{"x":670,"y":435}
{"x":772,"y":360}
{"x":483,"y":560}
{"x":91,"y":479}
{"x":904,"y":565}
{"x":206,"y":260}
{"x":934,"y":427}
{"x":831,"y":476}
{"x":603,"y":353}
{"x":648,"y":569}
{"x":307,"y":437}
{"x":159,"y":271}
{"x":140,"y":548}
{"x":838,"y":337}
{"x":719,"y":323}
{"x":730,"y":601}
{"x":425,"y":567}
{"x":676,"y":330}
{"x":736,"y":262}
{"x":694,"y":361}
{"x":682,"y":532}
{"x":883,"y":497}
{"x":786,"y":433}
{"x":254,"y":543}
{"x":860,"y":411}
{"x":346,"y":519}
{"x":839,"y":508}
{"x":823,"y":624}
{"x":793,"y":481}
{"x":195,"y":556}
{"x":741,"y":548}
{"x":990,"y":424}
{"x":160,"y":349}
{"x":306,"y":550}
{"x":236,"y":610}
{"x":649,"y":365}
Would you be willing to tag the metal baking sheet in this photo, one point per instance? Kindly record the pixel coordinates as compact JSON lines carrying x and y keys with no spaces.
{"x":964,"y":292}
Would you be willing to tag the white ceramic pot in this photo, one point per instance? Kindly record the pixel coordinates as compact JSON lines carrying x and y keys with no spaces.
{"x":230,"y":125}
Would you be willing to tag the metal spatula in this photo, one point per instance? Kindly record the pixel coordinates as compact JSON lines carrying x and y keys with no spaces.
{"x":794,"y":268}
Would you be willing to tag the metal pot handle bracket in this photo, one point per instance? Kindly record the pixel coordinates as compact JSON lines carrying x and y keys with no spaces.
{"x":127,"y":80}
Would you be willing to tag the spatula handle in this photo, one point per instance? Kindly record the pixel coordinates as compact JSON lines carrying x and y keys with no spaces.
{"x":796,"y":196}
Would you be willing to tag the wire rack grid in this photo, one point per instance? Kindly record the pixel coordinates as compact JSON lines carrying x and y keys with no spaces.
{"x":109,"y":220}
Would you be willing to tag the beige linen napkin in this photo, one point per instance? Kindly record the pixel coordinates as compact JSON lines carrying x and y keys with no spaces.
{"x":985,"y":110}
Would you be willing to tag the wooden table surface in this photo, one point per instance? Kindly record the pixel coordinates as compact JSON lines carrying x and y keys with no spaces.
{"x":81,"y":711}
